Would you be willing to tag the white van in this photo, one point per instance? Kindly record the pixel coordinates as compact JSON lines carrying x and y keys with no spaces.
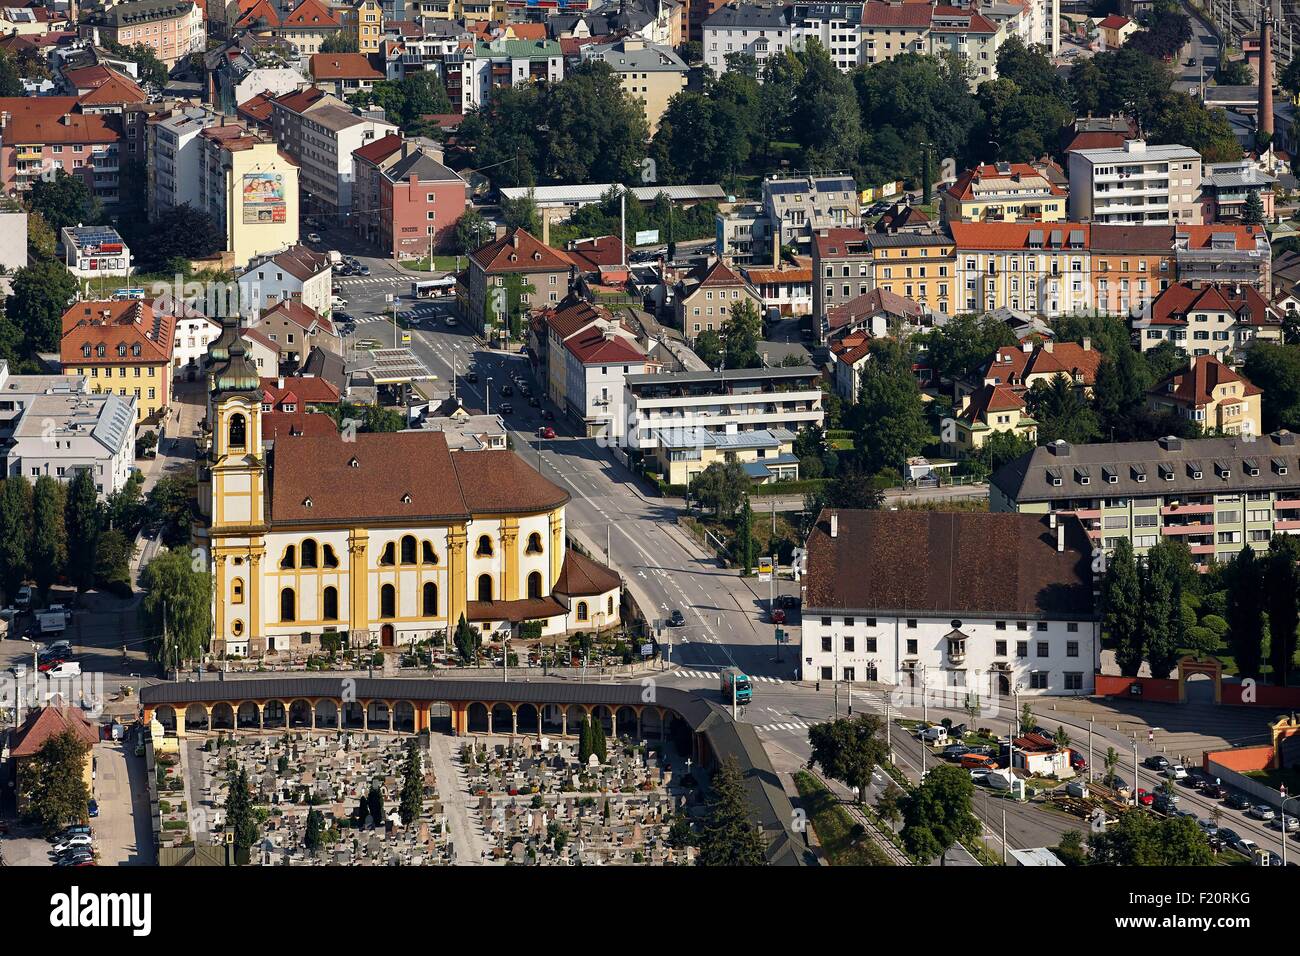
{"x":66,"y":669}
{"x":338,"y":302}
{"x":935,"y":735}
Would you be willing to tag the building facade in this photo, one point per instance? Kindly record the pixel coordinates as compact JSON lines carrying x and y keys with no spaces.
{"x":122,"y":348}
{"x":1136,"y":183}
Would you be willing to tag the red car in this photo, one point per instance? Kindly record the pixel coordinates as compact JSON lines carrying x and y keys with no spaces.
{"x":778,"y":616}
{"x":48,"y":663}
{"x":546,"y":431}
{"x":1145,"y":798}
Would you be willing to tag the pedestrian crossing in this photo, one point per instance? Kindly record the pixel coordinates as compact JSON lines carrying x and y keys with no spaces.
{"x":789,"y":726}
{"x":354,"y":281}
{"x":705,"y":675}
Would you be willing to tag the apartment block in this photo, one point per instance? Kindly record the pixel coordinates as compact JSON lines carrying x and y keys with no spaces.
{"x":726,"y":403}
{"x":123,"y":348}
{"x":175,"y":156}
{"x":648,"y":73}
{"x":165,"y":26}
{"x":1003,"y":192}
{"x":758,"y":30}
{"x":1213,"y":494}
{"x":250,"y":188}
{"x":989,"y":604}
{"x":472,"y":73}
{"x":1136,"y":183}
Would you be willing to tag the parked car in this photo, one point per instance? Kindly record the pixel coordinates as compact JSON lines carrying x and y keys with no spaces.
{"x":1226,"y":836}
{"x":507,"y":389}
{"x":60,"y":647}
{"x":934,"y":735}
{"x":1165,"y":802}
{"x":980,"y":776}
{"x":1292,"y":824}
{"x":1208,"y":827}
{"x":1176,"y":771}
{"x":313,"y":237}
{"x":1261,"y":812}
{"x":1243,"y":845}
{"x":1078,"y":762}
{"x":47,"y":662}
{"x":955,"y":751}
{"x":507,"y":408}
{"x":1145,"y":798}
{"x":978,"y":761}
{"x":363,"y":270}
{"x":778,"y":616}
{"x":677,"y":619}
{"x":64,"y":669}
{"x":23,"y":600}
{"x":471,"y":377}
{"x":71,"y":843}
{"x":1156,"y":762}
{"x":78,"y":829}
{"x":546,"y":431}
{"x":789,"y":601}
{"x":1212,"y":791}
{"x":93,"y":808}
{"x":1238,"y":800}
{"x":548,"y":415}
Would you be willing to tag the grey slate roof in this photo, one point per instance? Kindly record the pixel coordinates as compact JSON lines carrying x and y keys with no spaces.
{"x":1150,"y":468}
{"x":749,"y":15}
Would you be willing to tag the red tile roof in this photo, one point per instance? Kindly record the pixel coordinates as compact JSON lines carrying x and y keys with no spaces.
{"x":834,"y":243}
{"x":1198,"y":237}
{"x":592,"y":347}
{"x":582,"y":577}
{"x":720,"y":274}
{"x":1015,"y":235}
{"x":517,"y":251}
{"x":113,"y":324}
{"x":779,"y":276}
{"x":312,"y":13}
{"x":37,"y":127}
{"x":871,"y":303}
{"x":1013,"y":365}
{"x":569,"y":318}
{"x":1245,"y":302}
{"x":262,"y":13}
{"x":49,"y":722}
{"x":876,"y":13}
{"x":964,"y":188}
{"x":1114,"y":22}
{"x":991,"y":398}
{"x":852,"y":349}
{"x":303,"y":316}
{"x":342,"y":66}
{"x":104,"y":87}
{"x":258,"y":109}
{"x":1196,"y":384}
{"x":380,"y":149}
{"x":298,"y":390}
{"x":299,"y":100}
{"x":591,"y":254}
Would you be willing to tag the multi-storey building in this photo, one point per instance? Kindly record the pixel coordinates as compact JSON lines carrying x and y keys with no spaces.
{"x":1212,"y":395}
{"x":250,"y":188}
{"x":1021,"y":367}
{"x":704,"y":298}
{"x":165,"y":26}
{"x":473,"y":72}
{"x":1131,"y":265}
{"x":1213,"y":494}
{"x":798,"y":206}
{"x":1136,"y":183}
{"x":1227,"y":186}
{"x":833,"y":25}
{"x":123,"y":348}
{"x":174,"y":155}
{"x":547,"y":271}
{"x":760,"y":30}
{"x":1208,"y":319}
{"x":986,"y":604}
{"x":296,"y":274}
{"x":849,"y":263}
{"x":363,"y":20}
{"x":320,"y":133}
{"x":342,"y":74}
{"x":1224,"y":254}
{"x":648,"y":73}
{"x":986,"y":411}
{"x":672,"y":417}
{"x":1003,"y":192}
{"x":91,"y":251}
{"x":1039,"y":268}
{"x":420,"y":202}
{"x":54,"y":425}
{"x":306,"y":26}
{"x":40,"y":135}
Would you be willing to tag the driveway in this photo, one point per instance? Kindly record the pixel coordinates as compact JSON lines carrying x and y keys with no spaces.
{"x":123,"y":830}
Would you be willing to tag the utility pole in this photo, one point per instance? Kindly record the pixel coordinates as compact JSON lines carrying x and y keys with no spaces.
{"x":1090,"y":750}
{"x":1004,"y":836}
{"x":1135,"y":771}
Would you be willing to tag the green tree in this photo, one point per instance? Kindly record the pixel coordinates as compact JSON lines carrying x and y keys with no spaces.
{"x":522,"y":213}
{"x":585,"y":747}
{"x":11,"y":83}
{"x":728,"y":837}
{"x":15,"y":532}
{"x":1111,"y":762}
{"x":1122,"y":610}
{"x":1275,"y":370}
{"x":1281,"y":586}
{"x":1061,"y":412}
{"x":598,"y":744}
{"x":41,"y":240}
{"x":340,"y":41}
{"x":63,"y":200}
{"x":41,"y":293}
{"x":1144,"y":839}
{"x":1163,"y":576}
{"x":412,"y":800}
{"x":853,"y":489}
{"x":849,"y":750}
{"x":180,"y":232}
{"x":375,"y":805}
{"x":177,"y":607}
{"x":53,"y":783}
{"x":82,"y":519}
{"x":744,"y":547}
{"x":314,"y":837}
{"x":49,"y":551}
{"x":1027,"y":719}
{"x":708,"y":346}
{"x":467,"y":641}
{"x":425,"y":95}
{"x":741,"y":334}
{"x":1246,"y":606}
{"x":1070,"y":849}
{"x":959,"y":350}
{"x":892,"y":417}
{"x":241,"y":818}
{"x":938,"y":815}
{"x":151,"y":69}
{"x":472,"y":231}
{"x":1254,"y":214}
{"x":721,"y":486}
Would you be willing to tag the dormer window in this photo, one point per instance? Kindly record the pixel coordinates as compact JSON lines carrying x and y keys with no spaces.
{"x":353,"y":463}
{"x":85,"y":351}
{"x":306,"y":502}
{"x":121,"y":349}
{"x":406,"y":498}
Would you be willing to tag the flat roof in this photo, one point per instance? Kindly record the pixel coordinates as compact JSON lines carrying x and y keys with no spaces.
{"x":724,"y":375}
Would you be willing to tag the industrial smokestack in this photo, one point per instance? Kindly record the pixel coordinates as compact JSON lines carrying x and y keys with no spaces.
{"x":1266,"y":71}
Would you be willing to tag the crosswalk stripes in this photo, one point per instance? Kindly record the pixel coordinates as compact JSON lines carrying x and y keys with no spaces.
{"x":707,"y":676}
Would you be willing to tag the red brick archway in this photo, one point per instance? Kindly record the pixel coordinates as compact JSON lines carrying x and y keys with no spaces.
{"x":1210,"y":666}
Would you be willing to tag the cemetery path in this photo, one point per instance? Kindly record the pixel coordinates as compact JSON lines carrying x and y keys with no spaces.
{"x":467,"y":838}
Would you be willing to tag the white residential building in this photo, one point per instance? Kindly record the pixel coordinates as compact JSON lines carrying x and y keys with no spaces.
{"x":597,"y":361}
{"x":93,"y":251}
{"x":294,"y":275}
{"x":834,"y":26}
{"x":1137,"y":183}
{"x":957,"y":603}
{"x":471,"y":74}
{"x":175,"y":157}
{"x":53,"y":425}
{"x":760,"y":31}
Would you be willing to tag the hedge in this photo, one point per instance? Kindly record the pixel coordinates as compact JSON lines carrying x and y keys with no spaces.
{"x":791,"y":487}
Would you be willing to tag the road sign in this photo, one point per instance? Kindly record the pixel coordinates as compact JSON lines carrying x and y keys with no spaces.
{"x":764,"y":569}
{"x":781,"y":636}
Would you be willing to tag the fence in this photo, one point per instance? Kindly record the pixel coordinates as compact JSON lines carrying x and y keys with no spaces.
{"x":1259,"y":792}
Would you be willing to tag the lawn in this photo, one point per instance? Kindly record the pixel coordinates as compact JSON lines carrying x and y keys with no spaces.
{"x":1271,"y":778}
{"x":844,"y":844}
{"x":440,"y":264}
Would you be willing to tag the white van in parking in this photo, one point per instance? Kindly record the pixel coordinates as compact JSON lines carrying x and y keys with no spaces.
{"x":935,"y":735}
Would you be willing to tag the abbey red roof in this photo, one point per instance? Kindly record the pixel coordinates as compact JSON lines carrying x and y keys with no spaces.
{"x":1013,"y":365}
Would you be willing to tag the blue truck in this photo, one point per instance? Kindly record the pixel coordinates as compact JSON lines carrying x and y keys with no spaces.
{"x":734,"y":681}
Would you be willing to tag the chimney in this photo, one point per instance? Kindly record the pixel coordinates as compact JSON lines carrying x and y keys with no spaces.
{"x":279,"y":382}
{"x":1048,"y":346}
{"x":1087,"y":345}
{"x":1060,"y":536}
{"x":835,"y":524}
{"x":1265,"y":121}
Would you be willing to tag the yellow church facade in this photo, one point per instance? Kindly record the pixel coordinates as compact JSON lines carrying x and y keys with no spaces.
{"x":384,"y":539}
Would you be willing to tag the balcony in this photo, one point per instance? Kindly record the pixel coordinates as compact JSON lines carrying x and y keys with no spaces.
{"x":1166,"y":510}
{"x":1202,"y":549}
{"x":1287,"y":524}
{"x":1283,"y":504}
{"x":1191,"y":528}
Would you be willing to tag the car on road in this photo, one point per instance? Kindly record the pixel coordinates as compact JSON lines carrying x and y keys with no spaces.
{"x":1165,"y":802}
{"x":1212,"y":791}
{"x":546,"y":431}
{"x":677,"y":619}
{"x":64,"y":669}
{"x":548,"y":415}
{"x":507,"y":389}
{"x":980,"y":776}
{"x":1156,"y":762}
{"x":1238,"y":800}
{"x":1227,"y":837}
{"x":1145,"y":797}
{"x":1208,"y":827}
{"x":1176,"y":771}
{"x":534,"y":402}
{"x":76,"y":829}
{"x":450,"y":321}
{"x":1261,"y":812}
{"x":47,"y":663}
{"x":471,"y":377}
{"x":778,"y":616}
{"x":343,"y":317}
{"x":343,"y":269}
{"x":1244,"y":845}
{"x":60,"y":647}
{"x":789,"y":601}
{"x":1078,"y":762}
{"x":313,"y":237}
{"x":1292,"y":824}
{"x":93,"y":808}
{"x":507,"y":408}
{"x":362,"y":270}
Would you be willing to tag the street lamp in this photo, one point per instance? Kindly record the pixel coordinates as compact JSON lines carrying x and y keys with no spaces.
{"x":1282,"y":790}
{"x":487,"y":396}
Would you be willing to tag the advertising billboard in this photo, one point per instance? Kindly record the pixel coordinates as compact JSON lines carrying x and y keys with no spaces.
{"x":263,"y":198}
